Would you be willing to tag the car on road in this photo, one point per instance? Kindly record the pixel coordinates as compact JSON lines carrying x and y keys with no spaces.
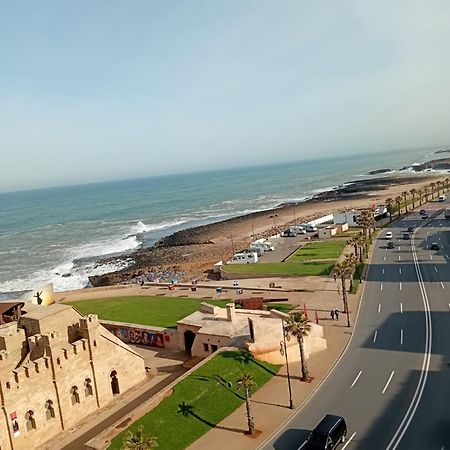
{"x":422,"y":211}
{"x":425,"y":216}
{"x":389,"y":235}
{"x":434,"y":246}
{"x":406,"y":236}
{"x":328,"y":434}
{"x":390,"y":244}
{"x":410,"y":229}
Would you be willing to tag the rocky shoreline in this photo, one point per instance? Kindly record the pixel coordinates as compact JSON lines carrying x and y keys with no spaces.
{"x":192,"y":252}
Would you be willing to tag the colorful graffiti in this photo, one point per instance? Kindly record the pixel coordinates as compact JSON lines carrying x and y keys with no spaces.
{"x":136,"y":335}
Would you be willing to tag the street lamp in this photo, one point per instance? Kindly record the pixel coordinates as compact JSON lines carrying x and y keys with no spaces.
{"x":283,"y":351}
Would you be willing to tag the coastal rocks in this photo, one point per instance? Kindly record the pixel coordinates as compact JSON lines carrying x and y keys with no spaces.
{"x":379,"y":171}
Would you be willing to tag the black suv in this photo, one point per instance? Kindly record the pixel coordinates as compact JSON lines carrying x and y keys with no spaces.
{"x":390,"y":244}
{"x":328,"y":434}
{"x":434,"y":246}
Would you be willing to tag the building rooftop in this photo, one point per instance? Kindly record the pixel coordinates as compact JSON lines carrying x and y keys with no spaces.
{"x":39,"y":312}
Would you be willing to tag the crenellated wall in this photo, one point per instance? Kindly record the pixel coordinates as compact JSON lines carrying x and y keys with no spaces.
{"x":61,"y":375}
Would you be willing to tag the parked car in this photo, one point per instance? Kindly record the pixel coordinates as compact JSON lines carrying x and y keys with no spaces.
{"x":422,"y":211}
{"x":299,"y":229}
{"x":389,"y":235}
{"x":406,"y":236}
{"x":327,"y":435}
{"x":410,"y":229}
{"x":434,"y":246}
{"x":390,"y":244}
{"x":289,"y":233}
{"x":425,"y":216}
{"x":311,"y":228}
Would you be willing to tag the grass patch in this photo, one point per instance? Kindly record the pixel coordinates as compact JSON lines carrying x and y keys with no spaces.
{"x":155,"y":311}
{"x":286,"y":268}
{"x":319,"y":250}
{"x":282,"y":307}
{"x":208,"y":392}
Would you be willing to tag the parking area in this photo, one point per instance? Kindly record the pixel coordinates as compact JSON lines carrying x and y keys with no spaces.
{"x":285,"y":246}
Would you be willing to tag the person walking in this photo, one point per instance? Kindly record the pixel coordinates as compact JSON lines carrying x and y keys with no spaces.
{"x":334,"y":276}
{"x":332,"y":314}
{"x":336,"y":313}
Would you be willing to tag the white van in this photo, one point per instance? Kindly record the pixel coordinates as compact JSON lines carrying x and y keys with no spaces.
{"x":310,"y":228}
{"x":265,"y":245}
{"x":245,"y":258}
{"x":442,"y":198}
{"x":258,"y":250}
{"x":299,"y":229}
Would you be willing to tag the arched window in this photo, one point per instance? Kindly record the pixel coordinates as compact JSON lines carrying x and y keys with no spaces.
{"x":74,"y":395}
{"x":114,"y":383}
{"x":49,"y":410}
{"x":30,"y":422}
{"x":88,"y":390}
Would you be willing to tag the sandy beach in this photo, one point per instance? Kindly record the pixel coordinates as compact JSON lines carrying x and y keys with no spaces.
{"x":191,"y":253}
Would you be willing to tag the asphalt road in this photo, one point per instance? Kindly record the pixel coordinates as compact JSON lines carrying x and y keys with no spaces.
{"x":393,"y":383}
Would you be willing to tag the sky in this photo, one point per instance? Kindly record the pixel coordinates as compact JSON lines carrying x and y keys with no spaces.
{"x":107,"y":89}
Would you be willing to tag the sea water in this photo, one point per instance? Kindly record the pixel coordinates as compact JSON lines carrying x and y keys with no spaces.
{"x":58,"y":234}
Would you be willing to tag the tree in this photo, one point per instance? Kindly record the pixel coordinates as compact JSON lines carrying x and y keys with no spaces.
{"x":432,"y":186}
{"x":398,"y":201}
{"x":405,"y":197}
{"x":426,"y":192}
{"x":298,"y":326}
{"x":413,"y":193}
{"x":246,"y":383}
{"x":343,"y":271}
{"x":390,"y":207}
{"x":138,"y":441}
{"x":351,"y":262}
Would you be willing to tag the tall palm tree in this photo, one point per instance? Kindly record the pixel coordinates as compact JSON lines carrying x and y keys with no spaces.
{"x":351,"y":262}
{"x":405,"y":197}
{"x":398,"y":201}
{"x":343,"y":271}
{"x":390,"y":207}
{"x":138,"y":441}
{"x":426,"y":192}
{"x":298,"y":326}
{"x":246,"y":383}
{"x":432,"y":186}
{"x":413,"y":193}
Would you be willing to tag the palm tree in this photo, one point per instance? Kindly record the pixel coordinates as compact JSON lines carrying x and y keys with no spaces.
{"x":398,"y":201}
{"x":413,"y":193}
{"x":298,"y":326}
{"x":138,"y":441}
{"x":432,"y":186}
{"x":426,"y":192}
{"x":351,"y":262}
{"x":390,"y":207}
{"x":246,"y":383}
{"x":420,"y":195}
{"x":405,"y":196}
{"x":343,"y":271}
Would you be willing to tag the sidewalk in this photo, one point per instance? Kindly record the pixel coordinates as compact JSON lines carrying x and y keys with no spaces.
{"x":270,"y":403}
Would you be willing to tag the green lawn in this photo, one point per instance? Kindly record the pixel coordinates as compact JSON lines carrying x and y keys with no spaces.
{"x":286,"y":268}
{"x":319,"y":250}
{"x":211,"y":391}
{"x":282,"y":307}
{"x":156,"y":311}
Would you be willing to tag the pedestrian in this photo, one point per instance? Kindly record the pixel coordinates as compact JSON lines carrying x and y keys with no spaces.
{"x":332,"y":314}
{"x":336,"y":313}
{"x":334,"y":276}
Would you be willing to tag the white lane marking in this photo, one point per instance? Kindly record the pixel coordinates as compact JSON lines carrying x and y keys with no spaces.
{"x":375,"y":336}
{"x":356,"y":379}
{"x":435,"y":269}
{"x":349,"y":440}
{"x":387,"y":382}
{"x":381,"y":286}
{"x":400,"y":285}
{"x":379,"y":307}
{"x":384,"y":259}
{"x":401,"y":336}
{"x":399,"y":248}
{"x":383,"y":270}
{"x":412,"y":408}
{"x":442,"y":285}
{"x":431,"y":257}
{"x":400,"y":270}
{"x":401,"y":308}
{"x":446,"y":255}
{"x":399,"y":257}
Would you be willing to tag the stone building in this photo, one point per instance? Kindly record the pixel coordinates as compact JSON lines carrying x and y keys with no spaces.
{"x":56,"y":368}
{"x":260,"y":332}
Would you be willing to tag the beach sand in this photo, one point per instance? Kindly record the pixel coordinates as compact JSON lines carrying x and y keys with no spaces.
{"x":192,"y":253}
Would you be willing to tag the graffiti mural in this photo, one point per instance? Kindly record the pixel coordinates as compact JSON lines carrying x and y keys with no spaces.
{"x":136,"y":335}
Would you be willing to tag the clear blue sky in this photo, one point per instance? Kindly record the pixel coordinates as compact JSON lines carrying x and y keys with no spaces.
{"x":92,"y":90}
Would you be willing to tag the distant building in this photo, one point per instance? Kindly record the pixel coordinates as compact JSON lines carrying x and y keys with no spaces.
{"x":56,"y":367}
{"x":351,"y":216}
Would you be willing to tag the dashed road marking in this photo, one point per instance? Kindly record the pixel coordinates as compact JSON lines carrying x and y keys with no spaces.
{"x":383,"y":270}
{"x":379,"y":307}
{"x":387,"y":382}
{"x":399,"y":257}
{"x":384,"y":258}
{"x":435,"y":269}
{"x":375,"y":336}
{"x":401,"y":336}
{"x":401,"y":308}
{"x":400,"y":270}
{"x":442,"y":285}
{"x":381,"y":286}
{"x":431,"y":257}
{"x":400,"y":285}
{"x":356,"y":379}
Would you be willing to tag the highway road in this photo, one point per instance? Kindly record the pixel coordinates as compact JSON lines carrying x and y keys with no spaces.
{"x":392,"y":384}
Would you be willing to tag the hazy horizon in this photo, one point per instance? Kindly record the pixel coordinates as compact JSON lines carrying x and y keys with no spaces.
{"x":92,"y":92}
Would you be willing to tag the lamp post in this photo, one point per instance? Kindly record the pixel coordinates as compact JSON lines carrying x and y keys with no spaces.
{"x":283,"y":350}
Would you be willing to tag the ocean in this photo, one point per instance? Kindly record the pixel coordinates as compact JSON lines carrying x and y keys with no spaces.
{"x":58,"y":234}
